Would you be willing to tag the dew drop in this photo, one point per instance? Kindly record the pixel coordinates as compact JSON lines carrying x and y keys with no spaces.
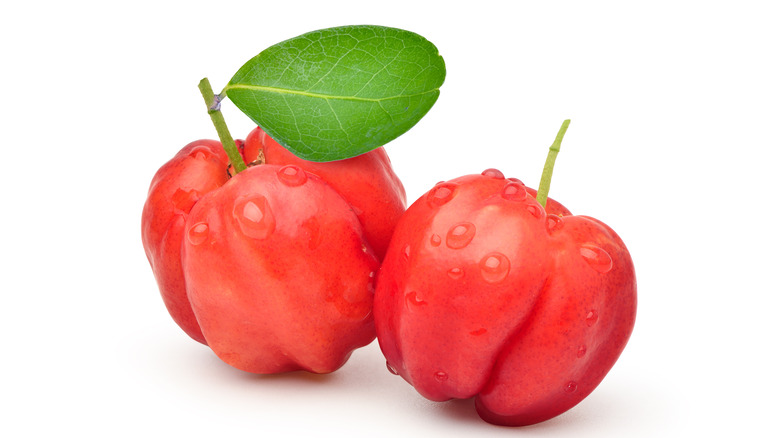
{"x":392,"y":369}
{"x":514,"y":191}
{"x":198,"y":233}
{"x":441,"y":194}
{"x":493,"y":173}
{"x":292,"y":176}
{"x":591,"y":318}
{"x":407,"y":252}
{"x":441,"y":376}
{"x":254,"y":217}
{"x":581,"y":351}
{"x":455,"y":273}
{"x":200,"y":153}
{"x":460,"y":235}
{"x":435,"y":240}
{"x":554,"y":223}
{"x":494,"y":267}
{"x":184,"y":200}
{"x":414,"y":301}
{"x":597,"y":258}
{"x":536,"y":210}
{"x":570,"y":387}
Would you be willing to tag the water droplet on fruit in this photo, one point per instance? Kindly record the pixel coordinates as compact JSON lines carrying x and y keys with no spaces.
{"x":570,"y":387}
{"x":493,"y":173}
{"x":292,"y":176}
{"x":254,"y":217}
{"x":460,"y":235}
{"x":407,"y":252}
{"x":494,"y":267}
{"x":455,"y":273}
{"x":198,"y":233}
{"x":554,"y":223}
{"x":441,"y":376}
{"x":597,"y":258}
{"x":514,"y":191}
{"x":184,"y":200}
{"x":536,"y":210}
{"x":591,"y":318}
{"x":435,"y":240}
{"x":441,"y":194}
{"x":414,"y":301}
{"x":200,"y":153}
{"x":392,"y":369}
{"x":581,"y":351}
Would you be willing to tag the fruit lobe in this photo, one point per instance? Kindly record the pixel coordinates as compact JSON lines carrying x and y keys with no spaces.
{"x":284,"y":279}
{"x":176,"y":187}
{"x":484,"y":293}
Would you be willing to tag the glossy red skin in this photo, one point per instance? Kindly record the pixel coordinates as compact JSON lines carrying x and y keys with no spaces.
{"x":290,"y":291}
{"x":367,"y":182}
{"x":528,"y":326}
{"x":200,"y":168}
{"x":197,"y":169}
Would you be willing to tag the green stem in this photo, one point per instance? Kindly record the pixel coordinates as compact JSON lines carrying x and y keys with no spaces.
{"x":544,"y":184}
{"x":212,"y":102}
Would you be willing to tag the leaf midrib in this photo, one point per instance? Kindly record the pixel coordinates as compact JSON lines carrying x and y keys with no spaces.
{"x":320,"y":95}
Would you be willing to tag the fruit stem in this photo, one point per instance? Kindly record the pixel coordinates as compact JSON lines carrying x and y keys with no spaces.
{"x":213,"y":102}
{"x":544,"y":184}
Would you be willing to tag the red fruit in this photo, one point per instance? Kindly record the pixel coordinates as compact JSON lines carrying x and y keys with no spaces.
{"x":272,"y":268}
{"x":484,"y":293}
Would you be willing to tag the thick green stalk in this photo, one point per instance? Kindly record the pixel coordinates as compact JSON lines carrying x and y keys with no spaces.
{"x":212,"y":102}
{"x":544,"y":184}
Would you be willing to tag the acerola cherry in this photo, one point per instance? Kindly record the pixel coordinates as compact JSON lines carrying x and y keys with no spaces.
{"x":486,"y":293}
{"x":273,"y":268}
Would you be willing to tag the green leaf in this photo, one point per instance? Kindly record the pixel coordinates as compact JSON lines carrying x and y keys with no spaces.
{"x":340,"y":92}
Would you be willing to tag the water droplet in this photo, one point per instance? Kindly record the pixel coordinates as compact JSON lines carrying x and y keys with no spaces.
{"x":460,"y":235}
{"x":183,"y":201}
{"x":478,"y":332}
{"x":440,"y":376}
{"x":435,"y":240}
{"x":455,"y":273}
{"x":514,"y":191}
{"x":292,"y":176}
{"x":414,"y":301}
{"x":591,"y":318}
{"x":198,"y":233}
{"x":536,"y":210}
{"x":200,"y":153}
{"x":493,"y":173}
{"x":441,"y":194}
{"x":597,"y":258}
{"x":392,"y":369}
{"x":581,"y":351}
{"x":407,"y":252}
{"x":494,"y":267}
{"x":554,"y":223}
{"x":570,"y":387}
{"x":254,"y":217}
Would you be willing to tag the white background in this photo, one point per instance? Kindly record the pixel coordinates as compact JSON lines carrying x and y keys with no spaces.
{"x":673,"y":141}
